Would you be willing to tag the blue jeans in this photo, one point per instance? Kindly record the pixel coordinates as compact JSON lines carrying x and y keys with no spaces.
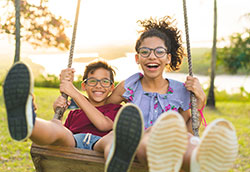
{"x":86,"y":140}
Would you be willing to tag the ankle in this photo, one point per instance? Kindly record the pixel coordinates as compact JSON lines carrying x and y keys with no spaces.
{"x":194,"y":140}
{"x":34,"y":114}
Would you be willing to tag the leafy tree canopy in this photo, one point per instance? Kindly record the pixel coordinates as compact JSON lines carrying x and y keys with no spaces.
{"x":39,"y":26}
{"x":236,"y":56}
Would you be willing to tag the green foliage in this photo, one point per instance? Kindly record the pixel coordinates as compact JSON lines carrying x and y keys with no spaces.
{"x":51,"y":81}
{"x":4,"y":66}
{"x":200,"y":61}
{"x":77,"y":83}
{"x":236,"y":56}
{"x":222,"y":96}
{"x":39,"y":26}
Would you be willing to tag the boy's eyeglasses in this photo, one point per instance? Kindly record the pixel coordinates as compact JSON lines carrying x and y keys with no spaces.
{"x":93,"y":82}
{"x":158,"y":52}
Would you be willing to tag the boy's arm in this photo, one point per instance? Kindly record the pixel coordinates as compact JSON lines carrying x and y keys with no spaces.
{"x":116,"y":95}
{"x":100,"y":121}
{"x":60,"y":102}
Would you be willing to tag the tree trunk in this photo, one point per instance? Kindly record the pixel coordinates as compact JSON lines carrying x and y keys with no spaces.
{"x":211,"y":97}
{"x":17,"y":32}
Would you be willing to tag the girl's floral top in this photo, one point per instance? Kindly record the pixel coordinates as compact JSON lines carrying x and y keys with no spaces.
{"x":154,"y":104}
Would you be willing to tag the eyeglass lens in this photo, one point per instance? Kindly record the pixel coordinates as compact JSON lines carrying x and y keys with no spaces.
{"x":93,"y":82}
{"x":158,"y":52}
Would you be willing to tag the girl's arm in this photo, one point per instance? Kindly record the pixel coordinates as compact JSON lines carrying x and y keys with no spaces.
{"x":116,"y":96}
{"x":192,"y":84}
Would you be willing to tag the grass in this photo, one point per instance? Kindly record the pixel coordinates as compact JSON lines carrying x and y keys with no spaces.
{"x":15,"y":156}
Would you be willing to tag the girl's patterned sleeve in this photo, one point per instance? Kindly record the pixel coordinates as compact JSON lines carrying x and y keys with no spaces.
{"x":130,"y":86}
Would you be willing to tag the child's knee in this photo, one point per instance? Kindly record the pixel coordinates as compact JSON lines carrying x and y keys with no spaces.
{"x":141,"y":154}
{"x":141,"y":151}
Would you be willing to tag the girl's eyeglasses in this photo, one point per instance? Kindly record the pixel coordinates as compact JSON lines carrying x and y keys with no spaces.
{"x":158,"y":52}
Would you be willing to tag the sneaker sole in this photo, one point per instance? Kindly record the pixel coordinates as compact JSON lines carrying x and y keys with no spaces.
{"x":17,"y":87}
{"x":218,"y":149}
{"x":128,"y":130}
{"x":167,"y":143}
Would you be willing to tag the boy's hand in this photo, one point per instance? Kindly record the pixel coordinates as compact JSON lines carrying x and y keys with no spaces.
{"x":192,"y":84}
{"x":67,"y":74}
{"x":61,"y":102}
{"x":67,"y":87}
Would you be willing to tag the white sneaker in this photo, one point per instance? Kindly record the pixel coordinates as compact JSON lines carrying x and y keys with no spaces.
{"x":218,"y":148}
{"x":17,"y":91}
{"x":167,"y":143}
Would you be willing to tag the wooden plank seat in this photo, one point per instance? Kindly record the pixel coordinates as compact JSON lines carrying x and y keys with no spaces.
{"x":67,"y":159}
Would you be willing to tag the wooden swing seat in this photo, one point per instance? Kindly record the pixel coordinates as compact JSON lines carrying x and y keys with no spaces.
{"x":67,"y":159}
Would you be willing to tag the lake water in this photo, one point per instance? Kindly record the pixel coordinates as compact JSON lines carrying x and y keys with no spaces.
{"x":126,"y":66}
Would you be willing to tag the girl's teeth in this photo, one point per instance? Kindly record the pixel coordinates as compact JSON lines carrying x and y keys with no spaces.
{"x":152,"y":65}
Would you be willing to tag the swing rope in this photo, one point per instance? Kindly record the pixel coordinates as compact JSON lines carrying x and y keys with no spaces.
{"x":194,"y":111}
{"x":60,"y":110}
{"x":74,"y":36}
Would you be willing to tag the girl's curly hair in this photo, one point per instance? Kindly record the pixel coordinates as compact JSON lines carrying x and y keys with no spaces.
{"x":167,"y":31}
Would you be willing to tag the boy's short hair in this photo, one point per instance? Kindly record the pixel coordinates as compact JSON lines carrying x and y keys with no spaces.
{"x":92,"y":67}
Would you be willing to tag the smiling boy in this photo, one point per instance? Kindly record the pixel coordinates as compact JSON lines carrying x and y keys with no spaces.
{"x":82,"y":129}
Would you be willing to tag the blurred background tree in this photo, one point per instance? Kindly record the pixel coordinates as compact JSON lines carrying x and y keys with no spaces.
{"x":236,"y":56}
{"x":39,"y":26}
{"x":211,"y":96}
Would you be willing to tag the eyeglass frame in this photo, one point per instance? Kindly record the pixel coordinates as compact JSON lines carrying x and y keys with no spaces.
{"x":152,"y":49}
{"x":98,"y":80}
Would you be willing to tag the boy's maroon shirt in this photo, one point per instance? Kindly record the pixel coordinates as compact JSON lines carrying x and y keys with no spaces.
{"x":78,"y":122}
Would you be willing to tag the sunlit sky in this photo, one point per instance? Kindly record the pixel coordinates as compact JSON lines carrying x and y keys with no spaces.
{"x":114,"y":21}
